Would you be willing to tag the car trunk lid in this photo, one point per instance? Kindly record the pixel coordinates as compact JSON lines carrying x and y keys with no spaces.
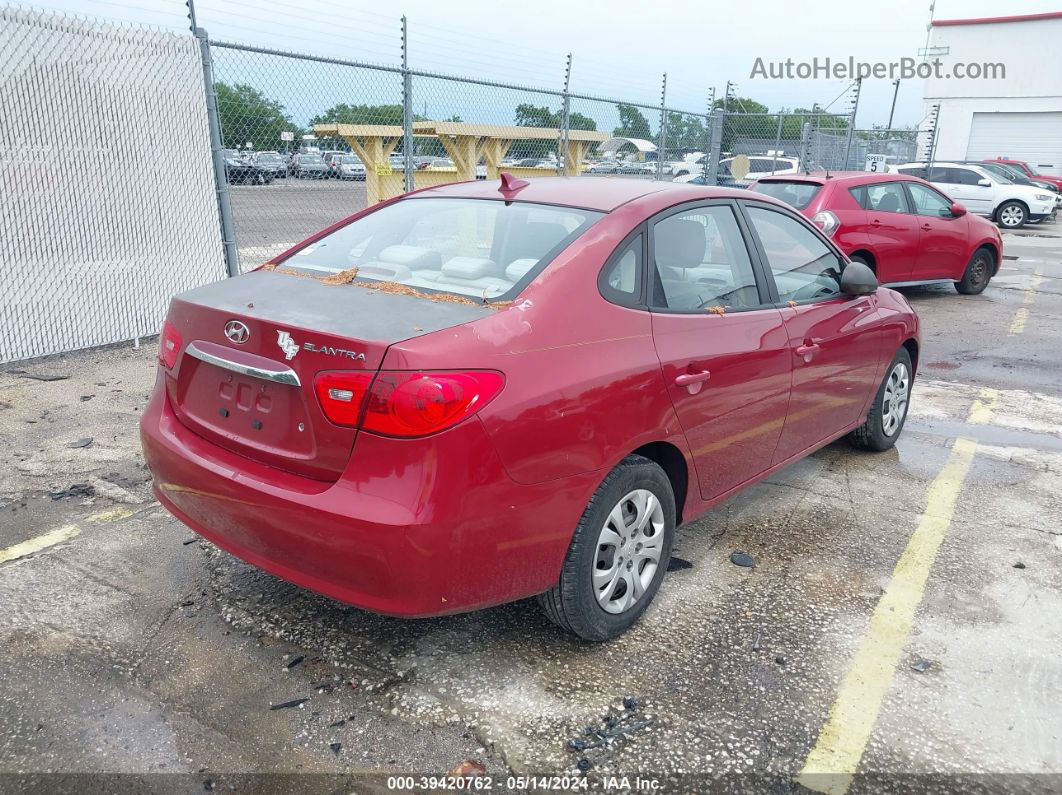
{"x":253,"y":344}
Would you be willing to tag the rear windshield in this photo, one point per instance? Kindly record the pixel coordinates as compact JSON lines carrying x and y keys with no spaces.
{"x":470,"y":247}
{"x":795,"y":194}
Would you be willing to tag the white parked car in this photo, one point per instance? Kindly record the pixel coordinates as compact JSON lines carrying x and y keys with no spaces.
{"x":759,"y":166}
{"x":351,"y":167}
{"x":985,"y":193}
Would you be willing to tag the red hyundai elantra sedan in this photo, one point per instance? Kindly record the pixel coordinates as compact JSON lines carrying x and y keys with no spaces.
{"x":902,"y":227}
{"x":472,"y":394}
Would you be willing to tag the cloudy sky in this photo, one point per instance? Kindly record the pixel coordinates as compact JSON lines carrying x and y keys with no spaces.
{"x":620,"y":49}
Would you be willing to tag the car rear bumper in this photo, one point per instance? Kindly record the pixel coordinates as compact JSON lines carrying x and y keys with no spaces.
{"x":413,"y":527}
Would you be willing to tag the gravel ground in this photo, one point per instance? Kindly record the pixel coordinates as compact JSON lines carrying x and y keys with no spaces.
{"x":134,"y":648}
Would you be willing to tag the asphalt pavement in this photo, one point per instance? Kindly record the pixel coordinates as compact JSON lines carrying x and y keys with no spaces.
{"x":898,"y":632}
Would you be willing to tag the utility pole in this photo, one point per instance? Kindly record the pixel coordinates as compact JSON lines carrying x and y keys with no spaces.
{"x":708,"y":130}
{"x":892,"y":110}
{"x":851,"y":122}
{"x":726,"y":97}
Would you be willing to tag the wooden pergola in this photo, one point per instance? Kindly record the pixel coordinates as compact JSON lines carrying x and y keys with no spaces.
{"x":466,"y":144}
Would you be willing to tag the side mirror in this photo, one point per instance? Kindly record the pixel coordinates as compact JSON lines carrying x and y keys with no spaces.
{"x":957,"y":210}
{"x":858,"y":279}
{"x":985,"y":183}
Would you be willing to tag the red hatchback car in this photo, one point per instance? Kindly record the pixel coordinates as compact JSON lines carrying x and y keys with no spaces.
{"x":472,"y":394}
{"x":902,"y":227}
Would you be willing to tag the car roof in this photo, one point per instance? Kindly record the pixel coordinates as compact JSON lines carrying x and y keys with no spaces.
{"x":590,"y":193}
{"x":844,"y":177}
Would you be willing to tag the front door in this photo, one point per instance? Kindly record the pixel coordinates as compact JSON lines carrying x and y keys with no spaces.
{"x":835,"y":340}
{"x":723,"y":349}
{"x":942,"y":239}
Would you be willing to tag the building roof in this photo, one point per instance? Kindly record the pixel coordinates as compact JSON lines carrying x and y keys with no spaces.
{"x":939,"y":23}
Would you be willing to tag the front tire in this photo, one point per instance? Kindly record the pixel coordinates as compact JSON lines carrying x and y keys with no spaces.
{"x":977,"y":275}
{"x":618,"y":555}
{"x":1012,"y":215}
{"x":888,"y":413}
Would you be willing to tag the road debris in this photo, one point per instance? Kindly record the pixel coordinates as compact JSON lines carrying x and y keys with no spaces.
{"x":470,"y":768}
{"x":76,"y":490}
{"x":921,"y":666}
{"x":295,"y":661}
{"x":1019,"y":565}
{"x":40,"y":376}
{"x":677,"y":564}
{"x":298,"y":702}
{"x":86,"y":442}
{"x":189,"y":541}
{"x":743,"y":559}
{"x":336,"y":747}
{"x":614,"y":731}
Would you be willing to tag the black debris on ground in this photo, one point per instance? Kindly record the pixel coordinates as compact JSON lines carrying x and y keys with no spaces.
{"x":615,"y":730}
{"x":921,"y":666}
{"x":298,"y":702}
{"x":743,"y":559}
{"x":295,"y":661}
{"x":76,"y":490}
{"x":677,"y":564}
{"x":335,"y":747}
{"x":189,"y":541}
{"x":86,"y":442}
{"x":40,"y":376}
{"x":1019,"y":565}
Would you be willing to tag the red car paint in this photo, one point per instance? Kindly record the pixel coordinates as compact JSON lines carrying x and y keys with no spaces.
{"x":1026,"y":169}
{"x":903,"y":248}
{"x":483,"y":512}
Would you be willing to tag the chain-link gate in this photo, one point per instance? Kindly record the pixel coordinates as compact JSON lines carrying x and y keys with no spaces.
{"x":107,"y":204}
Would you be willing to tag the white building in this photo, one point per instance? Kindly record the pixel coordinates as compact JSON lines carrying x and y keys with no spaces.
{"x":1018,"y":115}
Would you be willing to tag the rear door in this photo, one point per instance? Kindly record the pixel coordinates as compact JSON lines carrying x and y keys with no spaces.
{"x":834,"y":340}
{"x":942,"y":238}
{"x":723,"y":348}
{"x":892,"y":229}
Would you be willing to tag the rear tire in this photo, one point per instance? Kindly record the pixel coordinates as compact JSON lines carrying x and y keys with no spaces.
{"x":977,"y":275}
{"x":1012,"y":215}
{"x":888,"y":413}
{"x":618,"y":555}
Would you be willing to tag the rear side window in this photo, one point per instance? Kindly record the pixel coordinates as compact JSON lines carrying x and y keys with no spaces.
{"x":795,"y":194}
{"x":914,"y":172}
{"x":478,"y":248}
{"x":621,"y":279}
{"x":700,"y":261}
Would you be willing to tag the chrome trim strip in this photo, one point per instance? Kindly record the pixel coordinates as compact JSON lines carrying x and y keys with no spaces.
{"x":285,"y":376}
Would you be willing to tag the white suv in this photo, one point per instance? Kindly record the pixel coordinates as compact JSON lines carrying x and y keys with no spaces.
{"x":983,"y":192}
{"x":759,"y":166}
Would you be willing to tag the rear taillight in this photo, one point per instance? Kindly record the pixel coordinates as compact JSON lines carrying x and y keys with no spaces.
{"x":342,"y":395}
{"x":169,"y":345}
{"x":405,"y":404}
{"x":827,"y":222}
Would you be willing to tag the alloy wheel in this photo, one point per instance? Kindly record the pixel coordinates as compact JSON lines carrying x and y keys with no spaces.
{"x":894,"y":401}
{"x":1011,"y":216}
{"x":628,"y":551}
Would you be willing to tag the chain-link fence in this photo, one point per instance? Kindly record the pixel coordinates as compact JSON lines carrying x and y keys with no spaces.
{"x":146,"y":155}
{"x":107,"y":200}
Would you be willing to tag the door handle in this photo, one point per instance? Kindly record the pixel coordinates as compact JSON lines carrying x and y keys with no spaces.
{"x":807,"y":350}
{"x":927,"y":227}
{"x":688,"y":379}
{"x":875,"y":222}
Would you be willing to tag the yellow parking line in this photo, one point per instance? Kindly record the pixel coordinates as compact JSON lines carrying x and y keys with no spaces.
{"x":835,"y":758}
{"x":113,"y":515}
{"x":1017,"y":325}
{"x":57,"y":536}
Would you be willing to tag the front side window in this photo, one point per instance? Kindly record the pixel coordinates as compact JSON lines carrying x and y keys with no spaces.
{"x":886,"y":197}
{"x":804,"y":267}
{"x":928,"y":201}
{"x":472,"y":247}
{"x":964,"y":176}
{"x":700,"y":261}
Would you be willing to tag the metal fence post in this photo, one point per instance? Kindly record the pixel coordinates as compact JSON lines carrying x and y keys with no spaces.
{"x":407,"y":112}
{"x":709,"y":135}
{"x":662,"y":137}
{"x":777,"y":143}
{"x":805,"y":147}
{"x":931,"y":148}
{"x":566,"y":104}
{"x":228,"y":232}
{"x":718,"y":120}
{"x":851,"y":122}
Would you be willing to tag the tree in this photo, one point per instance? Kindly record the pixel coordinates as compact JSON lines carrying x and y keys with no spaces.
{"x":685,"y":133}
{"x":528,"y":115}
{"x":741,"y":105}
{"x":361,"y":114}
{"x":247,"y":116}
{"x":632,"y":123}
